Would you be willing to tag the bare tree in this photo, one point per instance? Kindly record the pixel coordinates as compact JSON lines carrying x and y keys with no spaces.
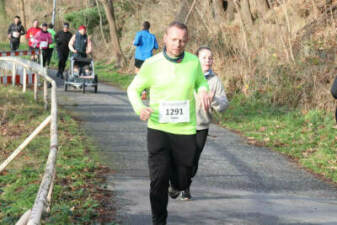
{"x":245,"y":12}
{"x":182,"y":11}
{"x":114,"y":40}
{"x":101,"y":23}
{"x":262,"y":6}
{"x":219,"y":11}
{"x":3,"y":14}
{"x":22,"y":11}
{"x":230,"y":10}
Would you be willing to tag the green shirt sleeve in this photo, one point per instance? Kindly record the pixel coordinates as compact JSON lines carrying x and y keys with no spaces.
{"x":201,"y":82}
{"x":139,"y":83}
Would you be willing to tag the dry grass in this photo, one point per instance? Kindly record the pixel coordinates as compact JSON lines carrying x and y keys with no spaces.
{"x":276,"y":58}
{"x":287,"y":56}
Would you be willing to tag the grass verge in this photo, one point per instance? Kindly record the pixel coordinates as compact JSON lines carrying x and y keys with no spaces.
{"x":307,"y":137}
{"x":107,"y":74}
{"x":77,"y":196}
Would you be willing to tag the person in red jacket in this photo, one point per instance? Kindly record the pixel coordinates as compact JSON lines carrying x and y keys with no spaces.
{"x":30,"y":37}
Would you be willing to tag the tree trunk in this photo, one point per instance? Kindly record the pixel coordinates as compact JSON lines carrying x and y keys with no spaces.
{"x":219,"y":11}
{"x":116,"y":48}
{"x":262,"y":7}
{"x":22,"y":12}
{"x":246,"y":14}
{"x":182,"y":11}
{"x":230,"y":10}
{"x":3,"y":14}
{"x":101,"y":23}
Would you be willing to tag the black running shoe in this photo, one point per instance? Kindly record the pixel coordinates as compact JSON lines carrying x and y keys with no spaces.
{"x":186,"y":195}
{"x":173,"y":193}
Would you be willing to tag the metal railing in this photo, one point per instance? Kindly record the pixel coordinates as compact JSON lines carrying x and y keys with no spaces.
{"x":43,"y":198}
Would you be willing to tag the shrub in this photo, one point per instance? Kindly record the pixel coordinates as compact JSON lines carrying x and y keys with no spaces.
{"x":88,"y":17}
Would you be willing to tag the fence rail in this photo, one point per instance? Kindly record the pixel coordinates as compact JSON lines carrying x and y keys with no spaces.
{"x":43,"y":198}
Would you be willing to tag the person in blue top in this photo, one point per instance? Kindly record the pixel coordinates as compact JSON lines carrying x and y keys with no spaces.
{"x":145,"y":42}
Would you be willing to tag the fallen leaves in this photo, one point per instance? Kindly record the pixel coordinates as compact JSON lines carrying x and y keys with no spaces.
{"x":308,"y":152}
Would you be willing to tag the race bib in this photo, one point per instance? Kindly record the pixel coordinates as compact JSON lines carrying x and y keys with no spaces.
{"x":174,"y":111}
{"x":44,"y":44}
{"x":16,"y":34}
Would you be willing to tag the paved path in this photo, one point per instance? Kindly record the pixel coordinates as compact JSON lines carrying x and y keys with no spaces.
{"x":236,"y":184}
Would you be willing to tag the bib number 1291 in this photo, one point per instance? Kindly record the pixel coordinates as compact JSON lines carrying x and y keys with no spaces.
{"x":174,"y":111}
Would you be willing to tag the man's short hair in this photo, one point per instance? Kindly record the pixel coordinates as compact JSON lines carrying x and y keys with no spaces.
{"x":17,"y":17}
{"x":51,"y":26}
{"x":146,"y":25}
{"x":177,"y":24}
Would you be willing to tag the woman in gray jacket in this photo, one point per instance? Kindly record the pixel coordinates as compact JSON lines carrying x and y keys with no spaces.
{"x":219,"y":104}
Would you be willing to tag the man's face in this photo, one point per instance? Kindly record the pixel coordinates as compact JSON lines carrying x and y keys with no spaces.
{"x":175,"y":41}
{"x":35,"y":23}
{"x":16,"y":20}
{"x":82,"y":31}
{"x":65,"y":29}
{"x":44,"y":28}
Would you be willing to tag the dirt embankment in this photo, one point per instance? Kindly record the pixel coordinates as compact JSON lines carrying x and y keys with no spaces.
{"x":285,"y":55}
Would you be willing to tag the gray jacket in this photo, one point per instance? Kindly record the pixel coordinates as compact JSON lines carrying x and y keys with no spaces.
{"x":219,"y":103}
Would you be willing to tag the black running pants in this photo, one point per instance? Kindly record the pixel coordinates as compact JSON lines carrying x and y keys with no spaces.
{"x":63,"y":56}
{"x":14,"y":44}
{"x":201,"y":138}
{"x":170,"y":159}
{"x":49,"y":52}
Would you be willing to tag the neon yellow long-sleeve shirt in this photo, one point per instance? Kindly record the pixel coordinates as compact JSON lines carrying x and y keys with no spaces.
{"x":169,"y":82}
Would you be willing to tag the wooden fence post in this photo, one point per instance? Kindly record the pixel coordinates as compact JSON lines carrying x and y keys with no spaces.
{"x":35,"y":86}
{"x":24,"y":81}
{"x":45,"y":94}
{"x":13,"y":74}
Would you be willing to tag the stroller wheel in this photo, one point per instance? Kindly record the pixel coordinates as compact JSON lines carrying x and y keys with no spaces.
{"x":65,"y":87}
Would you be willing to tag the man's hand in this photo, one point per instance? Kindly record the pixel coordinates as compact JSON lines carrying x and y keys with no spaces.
{"x":9,"y":36}
{"x":204,"y":99}
{"x":145,"y":113}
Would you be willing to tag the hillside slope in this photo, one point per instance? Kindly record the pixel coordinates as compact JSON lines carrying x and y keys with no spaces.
{"x":286,"y":57}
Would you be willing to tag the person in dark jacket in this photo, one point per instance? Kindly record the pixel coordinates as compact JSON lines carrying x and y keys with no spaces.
{"x":80,"y":45}
{"x":62,"y":39}
{"x":15,"y":31}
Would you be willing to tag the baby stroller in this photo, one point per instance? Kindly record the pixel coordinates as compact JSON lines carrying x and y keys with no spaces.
{"x":82,"y":77}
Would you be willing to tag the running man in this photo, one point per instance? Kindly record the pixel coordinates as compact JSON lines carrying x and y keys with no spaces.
{"x":32,"y":43}
{"x":145,"y":42}
{"x":219,"y":103}
{"x":62,"y":39}
{"x":15,"y":31}
{"x":172,"y":77}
